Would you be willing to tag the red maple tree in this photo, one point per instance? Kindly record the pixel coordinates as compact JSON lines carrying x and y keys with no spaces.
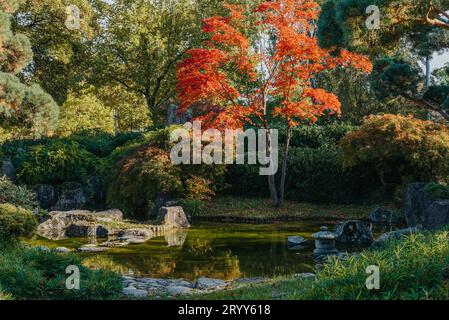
{"x":261,"y":64}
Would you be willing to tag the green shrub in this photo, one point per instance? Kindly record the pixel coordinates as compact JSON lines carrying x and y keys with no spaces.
{"x":27,"y":273}
{"x":317,"y":136}
{"x":138,"y":179}
{"x":316,"y":175}
{"x":313,"y":175}
{"x":55,"y":163}
{"x":193,"y":207}
{"x":103,"y":144}
{"x":16,"y":195}
{"x":439,"y":191}
{"x":401,"y":149}
{"x":16,"y":222}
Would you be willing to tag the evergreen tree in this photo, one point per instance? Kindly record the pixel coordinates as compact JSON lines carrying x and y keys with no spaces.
{"x":25,"y":110}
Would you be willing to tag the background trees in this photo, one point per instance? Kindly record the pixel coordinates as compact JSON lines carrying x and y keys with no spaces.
{"x":23,"y":109}
{"x":139,"y":45}
{"x":61,"y":56}
{"x":422,"y":26}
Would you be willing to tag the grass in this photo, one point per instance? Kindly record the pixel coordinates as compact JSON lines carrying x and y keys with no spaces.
{"x":254,"y":208}
{"x":414,"y":268}
{"x":30,"y":273}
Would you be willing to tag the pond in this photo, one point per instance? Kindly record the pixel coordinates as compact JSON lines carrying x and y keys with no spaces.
{"x":216,"y":250}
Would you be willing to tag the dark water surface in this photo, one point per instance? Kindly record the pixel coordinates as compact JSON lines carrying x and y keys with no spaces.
{"x":216,"y":250}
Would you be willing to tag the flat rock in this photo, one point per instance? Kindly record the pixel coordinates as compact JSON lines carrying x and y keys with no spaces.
{"x":92,"y":248}
{"x":208,"y":283}
{"x":178,"y":290}
{"x":62,"y":250}
{"x":135,"y":293}
{"x":398,"y":234}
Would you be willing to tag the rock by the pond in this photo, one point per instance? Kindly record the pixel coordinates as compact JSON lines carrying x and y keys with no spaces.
{"x":398,"y":234}
{"x":422,"y":209}
{"x":173,"y":217}
{"x":296,"y":243}
{"x":76,"y":223}
{"x":208,"y":283}
{"x":92,"y":248}
{"x":178,"y":290}
{"x":354,"y":232}
{"x":109,"y":215}
{"x":62,"y":250}
{"x":383,"y":215}
{"x":135,"y":293}
{"x":297,"y":240}
{"x":71,"y":196}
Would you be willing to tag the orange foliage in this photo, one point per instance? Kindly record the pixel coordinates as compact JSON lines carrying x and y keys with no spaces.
{"x":230,"y":80}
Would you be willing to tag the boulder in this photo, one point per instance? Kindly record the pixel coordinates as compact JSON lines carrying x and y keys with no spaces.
{"x":383,"y":215}
{"x":133,"y":233}
{"x":207,"y":283}
{"x":45,"y":195}
{"x":80,"y":229}
{"x":398,"y":234}
{"x":354,"y":232}
{"x":436,"y":215}
{"x":178,"y":290}
{"x":7,"y":169}
{"x":296,"y":243}
{"x":109,"y":215}
{"x":173,"y":217}
{"x":416,"y":201}
{"x":134,"y":293}
{"x":77,"y":223}
{"x":62,"y":250}
{"x":423,"y":210}
{"x":297,"y":240}
{"x":71,"y":196}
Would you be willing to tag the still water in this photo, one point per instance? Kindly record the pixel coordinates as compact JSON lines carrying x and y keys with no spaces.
{"x":216,"y":250}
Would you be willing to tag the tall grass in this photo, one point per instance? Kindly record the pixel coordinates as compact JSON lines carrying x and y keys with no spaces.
{"x":416,"y":267}
{"x":30,"y":273}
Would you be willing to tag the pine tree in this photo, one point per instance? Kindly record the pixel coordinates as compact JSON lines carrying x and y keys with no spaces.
{"x":24,"y":110}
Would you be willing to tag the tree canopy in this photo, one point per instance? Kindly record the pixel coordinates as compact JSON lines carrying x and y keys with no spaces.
{"x":23,"y":109}
{"x":421,"y":26}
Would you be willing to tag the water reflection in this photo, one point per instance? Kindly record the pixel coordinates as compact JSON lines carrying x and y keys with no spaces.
{"x":225,"y":251}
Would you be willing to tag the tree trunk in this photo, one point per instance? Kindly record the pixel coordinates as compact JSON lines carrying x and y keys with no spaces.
{"x":428,"y":58}
{"x":271,"y":178}
{"x":284,"y":169}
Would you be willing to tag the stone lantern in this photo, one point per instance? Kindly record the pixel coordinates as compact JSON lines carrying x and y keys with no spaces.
{"x":324,"y":243}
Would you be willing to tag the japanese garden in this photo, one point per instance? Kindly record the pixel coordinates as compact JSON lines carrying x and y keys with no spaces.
{"x":217,"y":150}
